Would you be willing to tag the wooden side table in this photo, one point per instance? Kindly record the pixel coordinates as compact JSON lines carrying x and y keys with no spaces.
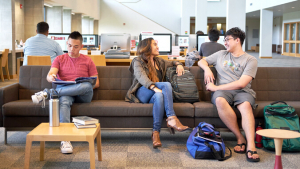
{"x":65,"y":132}
{"x":278,"y":135}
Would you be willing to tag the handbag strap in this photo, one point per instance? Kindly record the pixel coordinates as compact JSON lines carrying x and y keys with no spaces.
{"x":278,"y":102}
{"x":216,"y":154}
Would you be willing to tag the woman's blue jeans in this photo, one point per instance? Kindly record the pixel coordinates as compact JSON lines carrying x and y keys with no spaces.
{"x":78,"y":93}
{"x":161,"y":102}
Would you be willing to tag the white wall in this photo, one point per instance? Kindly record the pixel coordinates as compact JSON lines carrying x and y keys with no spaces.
{"x":19,"y":20}
{"x":252,"y":24}
{"x":188,"y":11}
{"x":155,"y":9}
{"x":114,"y":14}
{"x":277,"y":31}
{"x":85,"y":25}
{"x":214,"y":9}
{"x":261,"y":4}
{"x":88,"y":7}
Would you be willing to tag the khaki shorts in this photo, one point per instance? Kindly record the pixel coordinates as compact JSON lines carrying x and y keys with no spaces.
{"x":234,"y":97}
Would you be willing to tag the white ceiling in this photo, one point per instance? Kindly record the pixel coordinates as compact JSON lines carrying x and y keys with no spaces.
{"x":278,"y":10}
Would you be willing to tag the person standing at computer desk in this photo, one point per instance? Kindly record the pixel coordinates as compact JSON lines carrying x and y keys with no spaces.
{"x":149,"y":86}
{"x":40,"y":45}
{"x":213,"y":46}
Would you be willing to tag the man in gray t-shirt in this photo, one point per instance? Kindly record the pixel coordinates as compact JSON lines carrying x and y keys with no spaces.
{"x":208,"y":48}
{"x":236,"y":69}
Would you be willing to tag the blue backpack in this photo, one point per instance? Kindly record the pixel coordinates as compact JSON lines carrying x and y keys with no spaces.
{"x":206,"y":143}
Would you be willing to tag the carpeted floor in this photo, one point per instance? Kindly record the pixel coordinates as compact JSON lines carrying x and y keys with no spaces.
{"x":128,"y":149}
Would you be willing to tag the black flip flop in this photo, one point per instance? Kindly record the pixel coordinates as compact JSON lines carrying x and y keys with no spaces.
{"x":241,"y":145}
{"x":251,"y":159}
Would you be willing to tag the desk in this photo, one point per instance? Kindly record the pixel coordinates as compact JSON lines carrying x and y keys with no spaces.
{"x":133,"y":53}
{"x":109,"y":62}
{"x":278,"y":135}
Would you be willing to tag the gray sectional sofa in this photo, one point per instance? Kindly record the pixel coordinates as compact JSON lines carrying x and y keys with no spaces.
{"x":19,"y":113}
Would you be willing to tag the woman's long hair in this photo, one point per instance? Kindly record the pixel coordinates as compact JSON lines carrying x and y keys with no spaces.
{"x":144,"y":50}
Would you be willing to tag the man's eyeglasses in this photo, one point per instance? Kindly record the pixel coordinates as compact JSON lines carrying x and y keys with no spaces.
{"x":227,"y":39}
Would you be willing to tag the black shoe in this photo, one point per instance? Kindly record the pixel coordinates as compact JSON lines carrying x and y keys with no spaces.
{"x":251,"y":159}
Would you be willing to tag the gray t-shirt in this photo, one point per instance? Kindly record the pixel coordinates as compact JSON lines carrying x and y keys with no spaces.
{"x":209,"y":48}
{"x":231,"y":68}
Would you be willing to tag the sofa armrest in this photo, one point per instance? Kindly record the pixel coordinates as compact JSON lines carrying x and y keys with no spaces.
{"x":8,"y":94}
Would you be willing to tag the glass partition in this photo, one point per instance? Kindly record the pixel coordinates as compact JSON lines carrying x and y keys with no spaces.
{"x":287,"y":32}
{"x":298,"y":30}
{"x":286,"y":47}
{"x":293,"y":31}
{"x":291,"y":39}
{"x":293,"y":48}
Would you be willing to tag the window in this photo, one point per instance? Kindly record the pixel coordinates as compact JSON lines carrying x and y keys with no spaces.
{"x":291,"y":43}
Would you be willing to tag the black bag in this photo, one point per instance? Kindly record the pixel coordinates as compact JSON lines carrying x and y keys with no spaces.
{"x":184,"y":86}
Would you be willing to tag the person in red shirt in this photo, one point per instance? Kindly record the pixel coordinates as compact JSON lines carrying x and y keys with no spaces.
{"x":68,"y":67}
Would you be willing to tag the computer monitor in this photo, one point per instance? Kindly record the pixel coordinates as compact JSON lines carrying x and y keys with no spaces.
{"x":164,"y":41}
{"x":90,"y":40}
{"x":192,"y":43}
{"x":204,"y":38}
{"x":120,"y":41}
{"x":61,"y":39}
{"x":182,"y":41}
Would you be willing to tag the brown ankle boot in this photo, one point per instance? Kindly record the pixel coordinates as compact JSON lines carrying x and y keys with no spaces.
{"x":174,"y":123}
{"x":156,"y":139}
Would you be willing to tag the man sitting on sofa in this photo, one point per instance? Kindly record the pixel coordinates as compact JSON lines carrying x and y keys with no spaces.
{"x":68,"y":67}
{"x":236,"y":69}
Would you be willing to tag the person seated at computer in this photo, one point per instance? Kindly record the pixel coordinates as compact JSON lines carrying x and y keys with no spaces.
{"x":68,"y":67}
{"x":213,"y":46}
{"x":40,"y":45}
{"x":149,"y":87}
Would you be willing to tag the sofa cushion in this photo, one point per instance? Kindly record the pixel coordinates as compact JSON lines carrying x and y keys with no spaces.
{"x":207,"y":109}
{"x":122,"y":108}
{"x":32,"y":79}
{"x":25,"y":108}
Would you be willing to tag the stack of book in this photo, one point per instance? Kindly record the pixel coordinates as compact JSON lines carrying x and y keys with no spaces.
{"x":85,"y":122}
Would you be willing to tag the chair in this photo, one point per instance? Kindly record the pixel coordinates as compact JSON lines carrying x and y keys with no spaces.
{"x":38,"y":60}
{"x":166,"y":57}
{"x":99,"y":60}
{"x":4,"y":63}
{"x":185,"y":52}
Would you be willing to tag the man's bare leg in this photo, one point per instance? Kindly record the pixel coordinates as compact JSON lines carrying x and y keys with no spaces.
{"x":229,"y":118}
{"x":248,"y":124}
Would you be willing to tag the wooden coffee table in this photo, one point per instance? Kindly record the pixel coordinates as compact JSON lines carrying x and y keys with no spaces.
{"x":278,"y":135}
{"x":65,"y":132}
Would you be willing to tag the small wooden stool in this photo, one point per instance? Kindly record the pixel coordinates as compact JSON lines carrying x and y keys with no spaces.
{"x":278,"y":135}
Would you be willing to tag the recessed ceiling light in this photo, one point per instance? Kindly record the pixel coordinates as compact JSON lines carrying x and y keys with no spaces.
{"x":279,"y":10}
{"x":254,"y":15}
{"x":293,"y":7}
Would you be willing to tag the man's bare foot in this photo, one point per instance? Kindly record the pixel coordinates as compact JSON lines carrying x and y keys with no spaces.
{"x":252,"y":156}
{"x":253,"y":149}
{"x":241,"y":146}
